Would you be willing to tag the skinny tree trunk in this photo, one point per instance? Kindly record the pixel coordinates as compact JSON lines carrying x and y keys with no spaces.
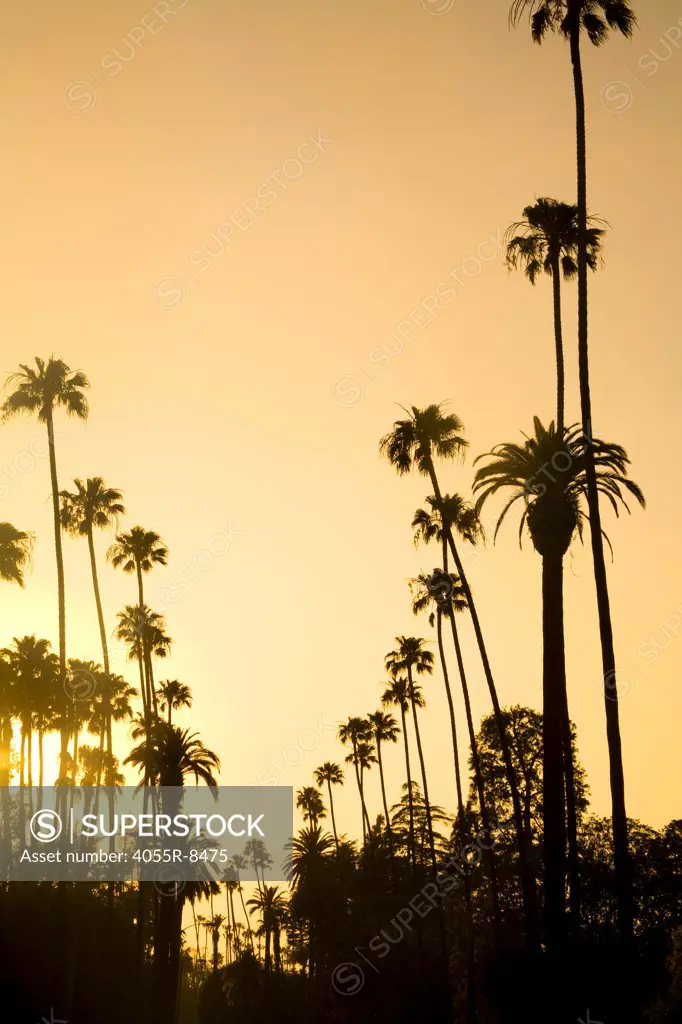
{"x":246,"y":916}
{"x":471,"y":941}
{"x":389,"y":831}
{"x":61,"y":600}
{"x":420,"y":752}
{"x":558,"y":342}
{"x":621,"y":855}
{"x":478,"y":779}
{"x":571,"y":815}
{"x":527,"y":880}
{"x":409,"y":794}
{"x":331,"y":811}
{"x":553,"y":687}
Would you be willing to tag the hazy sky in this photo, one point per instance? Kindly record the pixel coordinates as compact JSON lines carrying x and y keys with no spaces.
{"x":239,"y":384}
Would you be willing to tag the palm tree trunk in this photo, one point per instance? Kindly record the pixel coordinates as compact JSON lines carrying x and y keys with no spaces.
{"x":571,"y":817}
{"x":478,"y":778}
{"x":471,"y":941}
{"x":98,"y":602}
{"x":427,"y":805}
{"x":527,"y":880}
{"x":234,"y":923}
{"x":60,"y":570}
{"x":331,"y":811}
{"x":558,"y":343}
{"x":383,"y":798}
{"x":359,"y":784}
{"x":246,"y":916}
{"x":146,"y":659}
{"x":618,"y":813}
{"x":553,"y":686}
{"x":409,"y":793}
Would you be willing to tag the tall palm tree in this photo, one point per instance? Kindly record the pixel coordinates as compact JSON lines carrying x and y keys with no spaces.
{"x":213,"y":926}
{"x":42,"y":389}
{"x":129,"y":631}
{"x":271,"y":904}
{"x":33,"y":670}
{"x":239,"y":863}
{"x":310,"y":802}
{"x":15,"y":553}
{"x":595,"y":18}
{"x":553,"y":515}
{"x":397,"y":695}
{"x":172,"y":695}
{"x":411,"y":657}
{"x":92,"y":504}
{"x":143,"y":631}
{"x":445,"y":590}
{"x":173,"y":754}
{"x":384,"y":730}
{"x":330,"y":774}
{"x":415,"y":443}
{"x":355,"y":731}
{"x":138,"y":551}
{"x":547,"y":241}
{"x":170,"y":755}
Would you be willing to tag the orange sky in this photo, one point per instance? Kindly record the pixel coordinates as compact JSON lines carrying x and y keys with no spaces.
{"x":248,"y":390}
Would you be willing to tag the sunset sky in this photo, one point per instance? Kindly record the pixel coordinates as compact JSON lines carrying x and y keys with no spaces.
{"x":239,"y":384}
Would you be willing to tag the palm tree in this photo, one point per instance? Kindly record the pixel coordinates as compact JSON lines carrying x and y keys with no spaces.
{"x":595,"y":18}
{"x":42,"y":390}
{"x":111,"y":702}
{"x":547,"y":241}
{"x":213,"y":926}
{"x":259,"y":858}
{"x":411,"y":657}
{"x":271,"y":904}
{"x":91,"y":505}
{"x":384,"y":730}
{"x":443,"y":590}
{"x":331,"y":774}
{"x":172,"y":695}
{"x":446,"y":590}
{"x":309,"y":849}
{"x":415,"y":443}
{"x":310,"y":802}
{"x":355,"y":731}
{"x":397,"y":695}
{"x":142,"y":630}
{"x":139,"y":551}
{"x":239,"y":863}
{"x":15,"y":553}
{"x":33,"y":671}
{"x":553,"y":515}
{"x":129,"y":632}
{"x":170,"y":755}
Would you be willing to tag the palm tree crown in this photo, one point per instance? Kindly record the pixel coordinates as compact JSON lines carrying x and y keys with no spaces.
{"x":329,"y":772}
{"x":15,"y":553}
{"x":92,"y":504}
{"x":547,"y":239}
{"x":138,"y":550}
{"x":596,"y":17}
{"x":410,"y":655}
{"x":425,"y":434}
{"x":552,"y":498}
{"x":42,"y":389}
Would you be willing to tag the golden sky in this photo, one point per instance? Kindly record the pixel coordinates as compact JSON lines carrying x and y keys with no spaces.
{"x":239,"y":379}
